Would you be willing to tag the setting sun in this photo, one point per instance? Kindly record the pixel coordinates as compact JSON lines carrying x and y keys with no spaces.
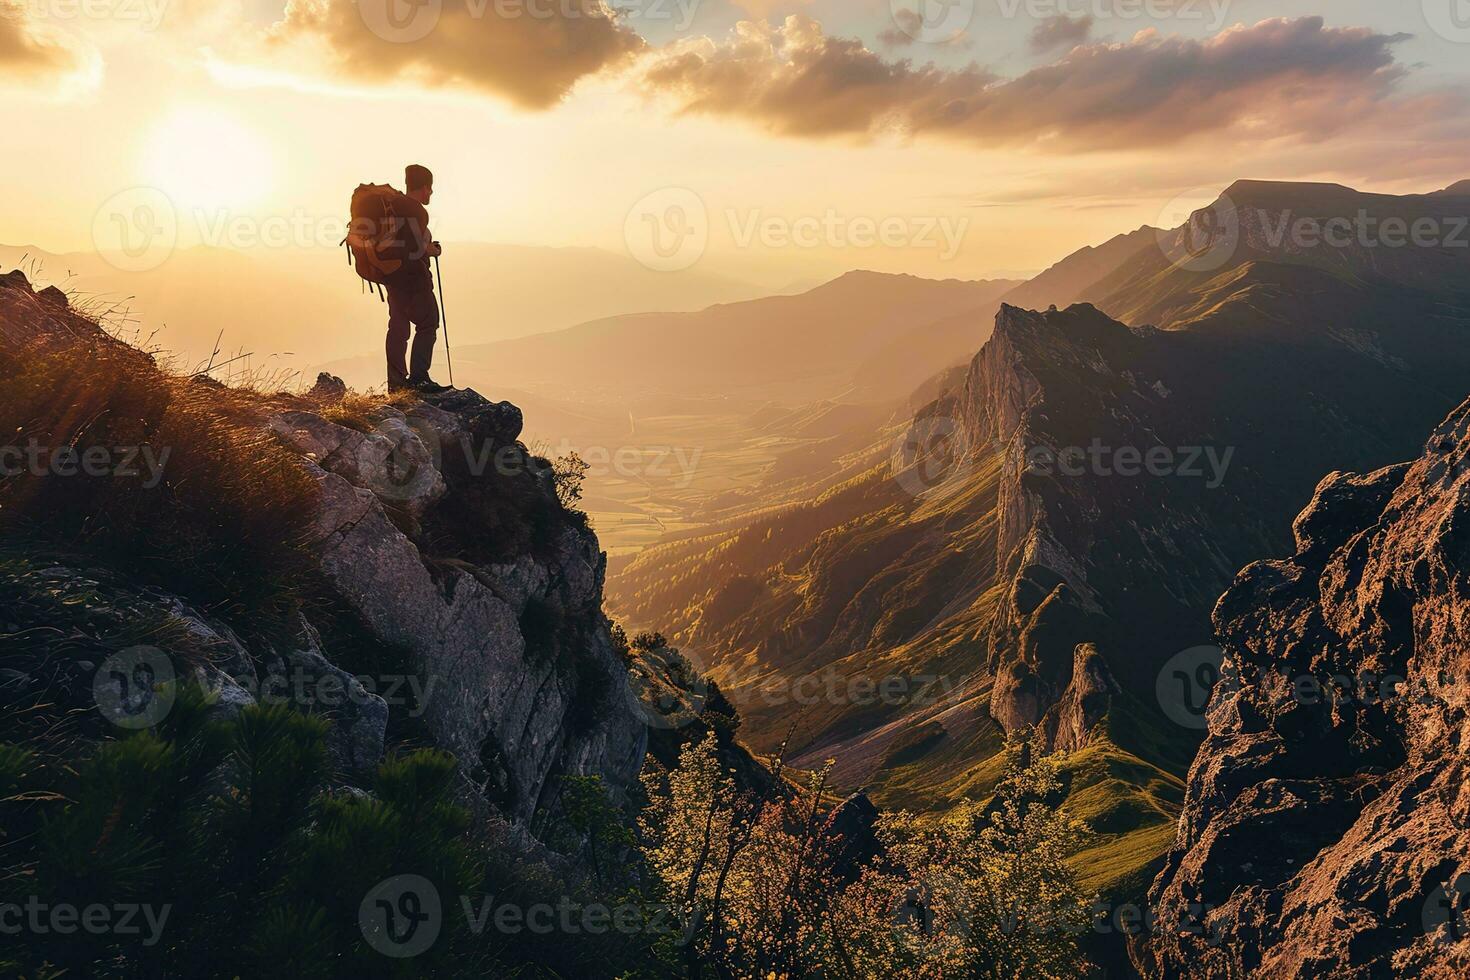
{"x":202,"y":158}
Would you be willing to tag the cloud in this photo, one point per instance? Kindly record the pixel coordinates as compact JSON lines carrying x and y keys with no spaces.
{"x":905,"y":30}
{"x":36,"y":59}
{"x":1278,"y":78}
{"x":796,"y":80}
{"x":1060,"y":31}
{"x":909,"y":27}
{"x":762,"y":9}
{"x":531,"y":52}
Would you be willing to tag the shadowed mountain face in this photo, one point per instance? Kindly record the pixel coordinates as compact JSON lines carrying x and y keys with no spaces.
{"x":1153,"y":463}
{"x":1417,"y":241}
{"x":1087,"y":485}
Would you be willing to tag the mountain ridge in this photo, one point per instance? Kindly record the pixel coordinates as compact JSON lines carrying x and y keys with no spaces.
{"x":728,"y":348}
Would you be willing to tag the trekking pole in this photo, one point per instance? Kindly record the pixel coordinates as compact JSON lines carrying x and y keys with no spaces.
{"x":444,"y":318}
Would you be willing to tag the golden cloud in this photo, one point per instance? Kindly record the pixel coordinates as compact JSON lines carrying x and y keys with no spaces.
{"x":1278,"y":78}
{"x":531,"y":52}
{"x":35,"y":58}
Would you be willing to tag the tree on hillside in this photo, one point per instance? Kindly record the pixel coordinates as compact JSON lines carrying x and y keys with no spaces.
{"x":983,"y":890}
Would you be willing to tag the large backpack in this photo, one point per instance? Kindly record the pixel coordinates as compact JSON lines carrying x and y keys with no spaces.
{"x":375,"y":241}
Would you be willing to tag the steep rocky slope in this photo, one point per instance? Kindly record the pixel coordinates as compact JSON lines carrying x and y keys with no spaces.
{"x":1326,"y":829}
{"x":440,"y":566}
{"x":1151,"y":463}
{"x":490,"y":589}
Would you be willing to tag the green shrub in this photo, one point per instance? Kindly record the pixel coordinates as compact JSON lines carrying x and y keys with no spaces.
{"x":231,"y":833}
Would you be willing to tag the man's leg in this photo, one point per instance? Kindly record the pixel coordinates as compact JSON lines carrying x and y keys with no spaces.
{"x":426,"y":332}
{"x":400,"y":311}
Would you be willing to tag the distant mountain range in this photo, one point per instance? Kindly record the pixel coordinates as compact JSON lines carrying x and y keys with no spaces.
{"x":1057,"y":522}
{"x":864,"y":336}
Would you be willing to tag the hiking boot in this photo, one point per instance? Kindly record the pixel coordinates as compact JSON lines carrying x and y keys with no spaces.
{"x":395,"y":386}
{"x":427,"y":386}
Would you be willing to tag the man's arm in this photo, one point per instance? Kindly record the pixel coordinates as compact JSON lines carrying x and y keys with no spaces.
{"x":430,"y":248}
{"x":421,"y":240}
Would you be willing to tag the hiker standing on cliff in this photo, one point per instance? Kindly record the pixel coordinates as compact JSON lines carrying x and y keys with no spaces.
{"x":411,"y":291}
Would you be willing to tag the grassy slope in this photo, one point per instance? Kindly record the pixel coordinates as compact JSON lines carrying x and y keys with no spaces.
{"x":1126,"y":786}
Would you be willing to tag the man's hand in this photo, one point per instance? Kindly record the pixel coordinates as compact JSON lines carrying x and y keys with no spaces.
{"x":435,"y":249}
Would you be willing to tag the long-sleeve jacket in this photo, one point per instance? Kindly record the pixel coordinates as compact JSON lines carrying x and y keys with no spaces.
{"x":413,"y":228}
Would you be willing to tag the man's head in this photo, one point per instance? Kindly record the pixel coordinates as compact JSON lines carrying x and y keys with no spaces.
{"x":420,"y":183}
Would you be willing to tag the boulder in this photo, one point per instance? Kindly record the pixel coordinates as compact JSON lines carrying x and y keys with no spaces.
{"x":328,"y":389}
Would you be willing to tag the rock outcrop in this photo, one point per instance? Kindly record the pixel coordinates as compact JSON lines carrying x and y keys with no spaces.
{"x":451,"y":592}
{"x":1069,"y":723}
{"x":1326,"y":830}
{"x":506,"y":635}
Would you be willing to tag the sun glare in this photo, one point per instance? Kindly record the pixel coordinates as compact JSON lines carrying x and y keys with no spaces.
{"x":202,"y":158}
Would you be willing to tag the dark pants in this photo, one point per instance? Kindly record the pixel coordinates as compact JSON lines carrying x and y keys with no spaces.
{"x":416,"y":306}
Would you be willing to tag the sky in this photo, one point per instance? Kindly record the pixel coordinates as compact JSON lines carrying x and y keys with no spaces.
{"x":770,"y":140}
